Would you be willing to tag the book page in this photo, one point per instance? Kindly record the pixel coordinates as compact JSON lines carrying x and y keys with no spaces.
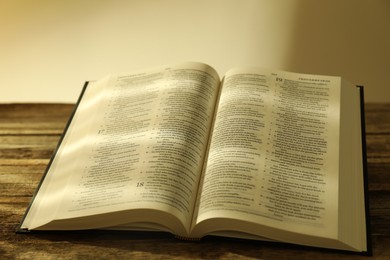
{"x":138,"y":142}
{"x":273,"y":156}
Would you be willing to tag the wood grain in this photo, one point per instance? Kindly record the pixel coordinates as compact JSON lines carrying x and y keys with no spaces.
{"x":28,"y":136}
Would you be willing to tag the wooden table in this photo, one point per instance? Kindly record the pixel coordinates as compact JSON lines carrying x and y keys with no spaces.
{"x":28,"y":136}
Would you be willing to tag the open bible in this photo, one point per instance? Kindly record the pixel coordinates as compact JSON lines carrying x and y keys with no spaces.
{"x":260,"y":154}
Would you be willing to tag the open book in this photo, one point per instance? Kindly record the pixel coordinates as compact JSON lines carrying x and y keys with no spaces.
{"x":260,"y":154}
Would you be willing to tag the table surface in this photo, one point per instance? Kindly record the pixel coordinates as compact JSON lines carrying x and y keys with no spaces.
{"x":28,"y":136}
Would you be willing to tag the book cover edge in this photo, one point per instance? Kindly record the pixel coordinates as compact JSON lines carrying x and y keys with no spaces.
{"x":365,"y":172}
{"x":19,"y":228}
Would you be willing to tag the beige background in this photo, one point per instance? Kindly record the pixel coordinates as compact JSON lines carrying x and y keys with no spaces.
{"x":48,"y":48}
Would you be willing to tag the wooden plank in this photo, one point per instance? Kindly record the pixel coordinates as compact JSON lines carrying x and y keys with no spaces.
{"x":34,"y":118}
{"x":21,"y":178}
{"x":378,"y":148}
{"x":29,"y":134}
{"x":27,"y":146}
{"x":377,"y":108}
{"x":377,"y":117}
{"x":379,"y":176}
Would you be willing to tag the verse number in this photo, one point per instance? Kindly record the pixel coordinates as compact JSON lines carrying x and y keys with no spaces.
{"x":140,"y":184}
{"x":279,"y":79}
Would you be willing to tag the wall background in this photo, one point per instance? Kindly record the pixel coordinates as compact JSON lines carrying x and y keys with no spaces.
{"x":48,"y":48}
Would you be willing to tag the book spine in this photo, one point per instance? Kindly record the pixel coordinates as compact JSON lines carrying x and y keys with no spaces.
{"x":190,"y":239}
